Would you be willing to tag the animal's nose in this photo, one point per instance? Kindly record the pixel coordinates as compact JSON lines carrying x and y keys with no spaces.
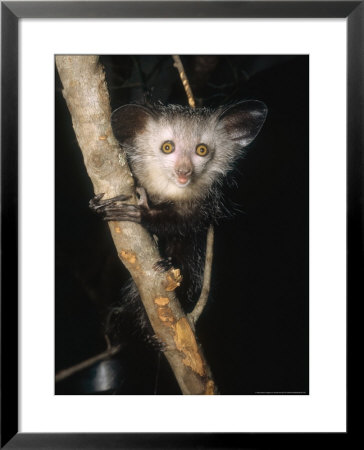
{"x":183,"y":171}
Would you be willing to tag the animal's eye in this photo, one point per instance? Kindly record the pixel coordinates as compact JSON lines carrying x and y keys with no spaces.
{"x":202,"y":150}
{"x":167,"y":147}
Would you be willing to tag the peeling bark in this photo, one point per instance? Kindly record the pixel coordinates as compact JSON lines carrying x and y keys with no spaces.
{"x":85,"y":91}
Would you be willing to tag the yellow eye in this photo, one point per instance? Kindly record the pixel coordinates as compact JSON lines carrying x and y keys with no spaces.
{"x":168,"y":147}
{"x":202,"y":150}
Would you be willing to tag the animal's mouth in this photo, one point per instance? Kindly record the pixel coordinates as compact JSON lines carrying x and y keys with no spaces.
{"x":183,"y":180}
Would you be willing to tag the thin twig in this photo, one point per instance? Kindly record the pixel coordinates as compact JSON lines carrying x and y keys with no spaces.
{"x":179,"y":66}
{"x":87,"y":363}
{"x":201,"y":303}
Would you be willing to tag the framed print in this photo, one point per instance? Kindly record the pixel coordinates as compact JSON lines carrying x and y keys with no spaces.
{"x":283,"y":199}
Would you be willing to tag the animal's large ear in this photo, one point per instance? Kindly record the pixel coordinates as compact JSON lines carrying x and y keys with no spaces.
{"x":128,"y":120}
{"x":244,"y":120}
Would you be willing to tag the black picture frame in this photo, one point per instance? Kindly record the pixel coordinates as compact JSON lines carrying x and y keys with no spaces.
{"x":11,"y":12}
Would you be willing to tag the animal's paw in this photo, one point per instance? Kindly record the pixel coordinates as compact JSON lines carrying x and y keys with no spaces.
{"x":98,"y":205}
{"x":113,"y":209}
{"x":163,"y":265}
{"x":156,"y":343}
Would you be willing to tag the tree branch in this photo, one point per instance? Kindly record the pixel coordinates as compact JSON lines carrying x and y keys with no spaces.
{"x":201,"y":303}
{"x":85,"y":91}
{"x":63,"y":374}
{"x":179,"y":66}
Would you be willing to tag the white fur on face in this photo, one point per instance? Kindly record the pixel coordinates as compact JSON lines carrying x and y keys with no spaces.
{"x":156,"y":170}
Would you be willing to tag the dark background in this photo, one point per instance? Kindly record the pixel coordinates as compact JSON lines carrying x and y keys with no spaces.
{"x":254,"y":330}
